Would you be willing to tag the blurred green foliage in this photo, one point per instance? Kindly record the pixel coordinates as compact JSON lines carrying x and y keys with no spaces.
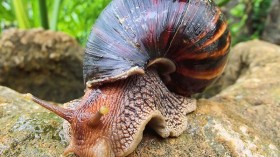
{"x":73,"y":17}
{"x":246,"y":19}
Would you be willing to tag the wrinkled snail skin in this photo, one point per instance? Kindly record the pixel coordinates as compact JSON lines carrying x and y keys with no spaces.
{"x":143,"y":60}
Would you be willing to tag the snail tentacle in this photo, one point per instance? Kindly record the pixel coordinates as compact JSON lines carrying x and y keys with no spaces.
{"x":95,"y":118}
{"x":62,"y":112}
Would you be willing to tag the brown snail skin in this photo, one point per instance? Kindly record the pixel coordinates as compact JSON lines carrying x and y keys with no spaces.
{"x":143,"y":61}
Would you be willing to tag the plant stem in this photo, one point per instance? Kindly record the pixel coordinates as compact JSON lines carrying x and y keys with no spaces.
{"x":55,"y":14}
{"x":21,"y":14}
{"x":43,"y":14}
{"x":36,"y":13}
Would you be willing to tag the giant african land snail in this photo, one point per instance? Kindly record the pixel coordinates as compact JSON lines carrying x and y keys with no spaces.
{"x":143,"y":60}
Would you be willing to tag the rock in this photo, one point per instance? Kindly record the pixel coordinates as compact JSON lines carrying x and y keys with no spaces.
{"x":242,"y":120}
{"x":26,"y":129}
{"x":45,"y":63}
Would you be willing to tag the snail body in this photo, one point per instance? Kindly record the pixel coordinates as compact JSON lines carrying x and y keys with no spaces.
{"x":143,"y":61}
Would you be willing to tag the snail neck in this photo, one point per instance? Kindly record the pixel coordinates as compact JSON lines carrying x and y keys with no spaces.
{"x":133,"y":103}
{"x":119,"y":97}
{"x":117,"y":94}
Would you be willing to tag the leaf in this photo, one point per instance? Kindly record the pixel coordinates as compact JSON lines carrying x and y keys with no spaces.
{"x":21,"y":14}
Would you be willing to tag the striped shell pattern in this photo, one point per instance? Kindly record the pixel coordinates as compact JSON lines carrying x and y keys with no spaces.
{"x":129,"y":34}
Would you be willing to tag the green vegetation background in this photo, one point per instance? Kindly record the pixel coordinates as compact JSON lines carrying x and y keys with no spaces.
{"x":77,"y":17}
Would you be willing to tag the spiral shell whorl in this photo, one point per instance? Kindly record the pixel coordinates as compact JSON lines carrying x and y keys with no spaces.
{"x":129,"y":34}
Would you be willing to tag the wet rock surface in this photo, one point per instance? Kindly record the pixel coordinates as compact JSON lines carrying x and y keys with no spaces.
{"x":45,"y":63}
{"x":242,"y":120}
{"x":27,"y":129}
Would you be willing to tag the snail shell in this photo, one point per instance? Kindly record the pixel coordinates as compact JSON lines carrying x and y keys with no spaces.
{"x":188,"y":42}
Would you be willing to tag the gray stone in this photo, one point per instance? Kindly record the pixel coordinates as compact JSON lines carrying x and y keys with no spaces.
{"x":45,"y":63}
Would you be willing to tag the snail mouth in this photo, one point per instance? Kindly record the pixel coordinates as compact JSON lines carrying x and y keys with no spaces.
{"x":101,"y":148}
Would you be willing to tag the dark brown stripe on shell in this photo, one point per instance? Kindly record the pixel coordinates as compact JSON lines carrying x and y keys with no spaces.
{"x":200,"y":70}
{"x":209,"y":52}
{"x":186,"y":45}
{"x":187,"y":86}
{"x":220,"y":32}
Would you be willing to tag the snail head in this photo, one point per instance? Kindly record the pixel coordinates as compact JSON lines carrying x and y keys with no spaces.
{"x":89,"y":125}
